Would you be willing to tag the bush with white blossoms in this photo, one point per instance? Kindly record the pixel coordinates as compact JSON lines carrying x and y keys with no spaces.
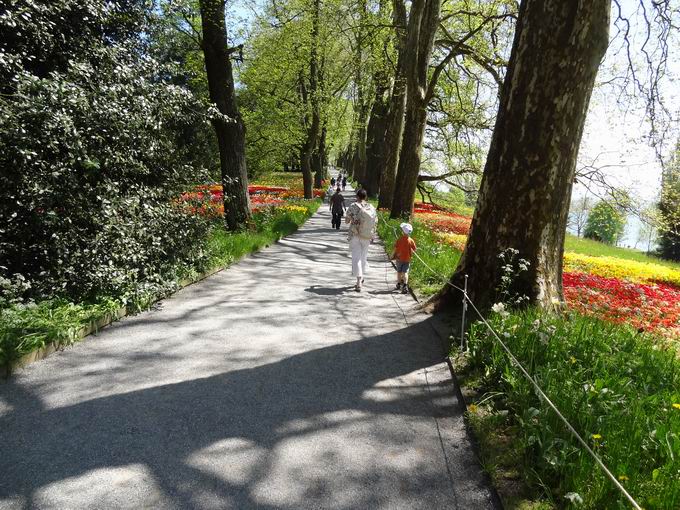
{"x":95,"y":146}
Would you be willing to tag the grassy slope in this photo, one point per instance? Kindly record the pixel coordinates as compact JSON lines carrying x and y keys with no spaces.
{"x":595,"y":248}
{"x":614,"y":385}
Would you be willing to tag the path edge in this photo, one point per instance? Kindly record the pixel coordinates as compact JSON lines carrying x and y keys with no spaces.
{"x":96,"y":325}
{"x":441,"y":330}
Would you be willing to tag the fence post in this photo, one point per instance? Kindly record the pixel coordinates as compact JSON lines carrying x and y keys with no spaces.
{"x":462,"y":322}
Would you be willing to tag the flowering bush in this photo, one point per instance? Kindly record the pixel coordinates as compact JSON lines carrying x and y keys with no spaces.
{"x":96,"y":139}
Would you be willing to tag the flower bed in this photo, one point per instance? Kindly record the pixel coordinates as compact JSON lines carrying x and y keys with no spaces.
{"x":646,"y":307}
{"x":207,"y":198}
{"x":643,"y":294}
{"x":444,"y":222}
{"x":631,"y":270}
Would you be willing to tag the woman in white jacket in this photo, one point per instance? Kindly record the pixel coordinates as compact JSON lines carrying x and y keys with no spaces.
{"x":362,"y":218}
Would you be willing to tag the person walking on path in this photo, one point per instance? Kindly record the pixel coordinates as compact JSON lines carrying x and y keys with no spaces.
{"x":362,"y":218}
{"x":344,"y":182}
{"x":329,"y":192}
{"x":403,"y":251}
{"x":337,"y":208}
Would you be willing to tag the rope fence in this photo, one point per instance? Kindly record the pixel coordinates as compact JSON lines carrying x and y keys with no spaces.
{"x":466,"y":300}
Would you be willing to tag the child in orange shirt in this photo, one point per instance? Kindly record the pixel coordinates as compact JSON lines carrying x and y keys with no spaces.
{"x":403,"y":250}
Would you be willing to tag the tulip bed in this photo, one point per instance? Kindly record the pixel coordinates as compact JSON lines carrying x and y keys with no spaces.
{"x":645,"y":294}
{"x":207,"y":199}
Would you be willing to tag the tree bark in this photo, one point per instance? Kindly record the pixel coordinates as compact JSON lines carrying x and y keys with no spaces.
{"x":230,"y":132}
{"x":313,"y":101}
{"x":395,"y":115}
{"x":526,"y":186}
{"x":319,"y":161}
{"x":422,"y":26}
{"x":375,"y":139}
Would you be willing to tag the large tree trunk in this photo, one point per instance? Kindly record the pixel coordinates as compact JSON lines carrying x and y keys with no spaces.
{"x":230,"y":132}
{"x":422,"y":26}
{"x":362,"y":101}
{"x":526,"y":187}
{"x":409,"y":160}
{"x":395,"y":115}
{"x":312,"y":98}
{"x":319,"y":159}
{"x":375,"y":139}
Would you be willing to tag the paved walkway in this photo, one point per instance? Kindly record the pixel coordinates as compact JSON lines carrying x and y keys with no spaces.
{"x":269,"y":385}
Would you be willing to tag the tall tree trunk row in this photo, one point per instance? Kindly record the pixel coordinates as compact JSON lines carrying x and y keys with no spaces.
{"x":230,"y":132}
{"x":394,"y":123}
{"x":422,"y":26}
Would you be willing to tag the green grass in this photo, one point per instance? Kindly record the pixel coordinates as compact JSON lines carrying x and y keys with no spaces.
{"x":441,"y":257}
{"x":608,"y":380}
{"x":598,"y":249}
{"x":26,"y":328}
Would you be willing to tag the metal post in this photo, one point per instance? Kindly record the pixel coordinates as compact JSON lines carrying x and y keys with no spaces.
{"x":462,"y":322}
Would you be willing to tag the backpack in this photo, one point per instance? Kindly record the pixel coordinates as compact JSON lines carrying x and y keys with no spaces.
{"x":367,"y":218}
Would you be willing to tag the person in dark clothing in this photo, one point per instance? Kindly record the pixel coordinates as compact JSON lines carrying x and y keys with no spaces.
{"x":337,"y":207}
{"x":333,"y":182}
{"x":344,"y":182}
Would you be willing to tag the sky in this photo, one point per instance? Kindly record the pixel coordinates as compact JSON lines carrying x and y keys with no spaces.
{"x":616,"y":135}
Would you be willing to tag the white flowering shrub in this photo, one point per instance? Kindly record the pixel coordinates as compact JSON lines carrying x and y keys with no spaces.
{"x":94,"y":152}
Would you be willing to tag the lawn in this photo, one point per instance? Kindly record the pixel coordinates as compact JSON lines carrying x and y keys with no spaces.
{"x":597,"y":249}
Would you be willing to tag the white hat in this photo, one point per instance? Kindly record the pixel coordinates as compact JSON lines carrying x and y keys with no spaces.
{"x":406,"y":228}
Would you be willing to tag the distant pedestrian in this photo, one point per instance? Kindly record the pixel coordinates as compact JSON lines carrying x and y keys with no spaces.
{"x":337,"y":207}
{"x":404,"y":249}
{"x":332,"y":182}
{"x":344,"y":182}
{"x":362,"y":218}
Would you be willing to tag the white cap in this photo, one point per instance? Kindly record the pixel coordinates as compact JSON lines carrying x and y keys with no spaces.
{"x":406,"y":228}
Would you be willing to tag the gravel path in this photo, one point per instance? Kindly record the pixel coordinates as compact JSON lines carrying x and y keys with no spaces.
{"x":269,"y":385}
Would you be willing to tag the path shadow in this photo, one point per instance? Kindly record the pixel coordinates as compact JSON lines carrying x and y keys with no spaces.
{"x":329,"y":291}
{"x":163,"y":427}
{"x":216,"y":442}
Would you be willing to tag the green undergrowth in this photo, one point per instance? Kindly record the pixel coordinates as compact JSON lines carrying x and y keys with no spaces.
{"x":598,"y":249}
{"x":618,"y":388}
{"x":441,"y":257}
{"x":25,"y":328}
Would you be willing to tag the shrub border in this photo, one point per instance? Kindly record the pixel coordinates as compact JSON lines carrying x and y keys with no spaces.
{"x":97,"y":325}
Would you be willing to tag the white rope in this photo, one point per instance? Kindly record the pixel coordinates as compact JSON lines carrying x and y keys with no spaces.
{"x":526,"y":374}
